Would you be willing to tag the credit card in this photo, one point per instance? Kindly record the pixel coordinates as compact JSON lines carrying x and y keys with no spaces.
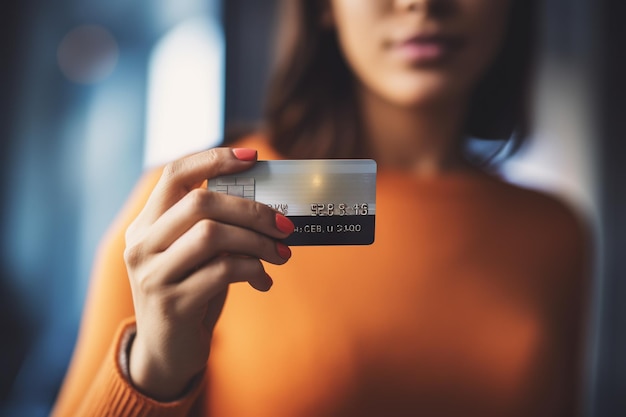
{"x":330,"y":201}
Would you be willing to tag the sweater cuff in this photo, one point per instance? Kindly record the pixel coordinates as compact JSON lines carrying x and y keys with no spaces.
{"x":113,"y":394}
{"x":123,"y":354}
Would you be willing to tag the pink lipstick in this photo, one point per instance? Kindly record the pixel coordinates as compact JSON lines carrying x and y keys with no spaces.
{"x":424,"y":49}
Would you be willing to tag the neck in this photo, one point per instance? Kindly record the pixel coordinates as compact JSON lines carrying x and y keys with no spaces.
{"x":422,"y":140}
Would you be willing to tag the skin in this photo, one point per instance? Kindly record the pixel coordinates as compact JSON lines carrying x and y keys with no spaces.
{"x":188,"y":244}
{"x":183,"y":250}
{"x":414,"y":111}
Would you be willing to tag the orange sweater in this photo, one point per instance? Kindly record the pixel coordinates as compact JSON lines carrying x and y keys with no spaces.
{"x":469,"y":303}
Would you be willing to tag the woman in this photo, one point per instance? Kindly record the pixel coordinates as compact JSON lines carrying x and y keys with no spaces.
{"x":470,"y":302}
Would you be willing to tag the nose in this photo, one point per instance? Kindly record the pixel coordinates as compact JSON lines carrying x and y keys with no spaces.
{"x":430,"y":7}
{"x":411,"y":5}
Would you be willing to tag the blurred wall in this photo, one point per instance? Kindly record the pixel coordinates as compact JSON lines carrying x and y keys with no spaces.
{"x":73,"y":121}
{"x":250,"y":31}
{"x":610,"y":379}
{"x":14,"y":325}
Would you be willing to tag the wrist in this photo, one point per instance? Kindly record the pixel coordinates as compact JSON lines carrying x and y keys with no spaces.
{"x":153,"y":377}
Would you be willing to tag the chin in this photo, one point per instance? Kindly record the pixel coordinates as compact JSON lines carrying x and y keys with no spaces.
{"x":419,"y":90}
{"x":424,"y":97}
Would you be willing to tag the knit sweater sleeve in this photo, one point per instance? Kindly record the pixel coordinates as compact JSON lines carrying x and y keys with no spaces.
{"x":95,"y":384}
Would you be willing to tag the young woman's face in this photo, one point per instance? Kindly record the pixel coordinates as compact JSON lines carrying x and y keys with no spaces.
{"x":419,"y":52}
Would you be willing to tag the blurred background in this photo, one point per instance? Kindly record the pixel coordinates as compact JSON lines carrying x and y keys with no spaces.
{"x":93,"y":92}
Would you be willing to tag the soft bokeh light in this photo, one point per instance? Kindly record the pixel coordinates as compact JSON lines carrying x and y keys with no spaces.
{"x":185,"y":88}
{"x":561,"y":156}
{"x":88,"y":54}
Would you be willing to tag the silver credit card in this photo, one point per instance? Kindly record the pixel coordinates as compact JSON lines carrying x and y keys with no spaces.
{"x":330,"y":201}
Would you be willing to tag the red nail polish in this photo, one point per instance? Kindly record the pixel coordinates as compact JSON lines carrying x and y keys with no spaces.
{"x":283,"y":250}
{"x":245,"y":154}
{"x":284,"y":224}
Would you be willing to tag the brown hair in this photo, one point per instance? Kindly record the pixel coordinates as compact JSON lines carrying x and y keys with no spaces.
{"x":311,"y":109}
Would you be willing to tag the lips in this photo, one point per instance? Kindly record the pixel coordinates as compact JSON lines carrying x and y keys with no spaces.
{"x":425,"y":49}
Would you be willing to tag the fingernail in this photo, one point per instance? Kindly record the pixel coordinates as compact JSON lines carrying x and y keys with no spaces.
{"x":284,"y":224}
{"x":245,"y":154}
{"x":283,"y":250}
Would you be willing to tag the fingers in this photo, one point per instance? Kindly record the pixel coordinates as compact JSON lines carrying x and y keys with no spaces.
{"x":183,"y":175}
{"x":205,"y":241}
{"x":202,"y":204}
{"x":213,"y":279}
{"x":184,"y":228}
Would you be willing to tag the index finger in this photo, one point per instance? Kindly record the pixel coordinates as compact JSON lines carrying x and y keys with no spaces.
{"x":183,"y":175}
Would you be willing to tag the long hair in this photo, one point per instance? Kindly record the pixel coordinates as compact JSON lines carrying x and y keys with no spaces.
{"x":311,"y":109}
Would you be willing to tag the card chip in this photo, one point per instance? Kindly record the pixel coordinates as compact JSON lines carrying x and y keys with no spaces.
{"x":240,"y":187}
